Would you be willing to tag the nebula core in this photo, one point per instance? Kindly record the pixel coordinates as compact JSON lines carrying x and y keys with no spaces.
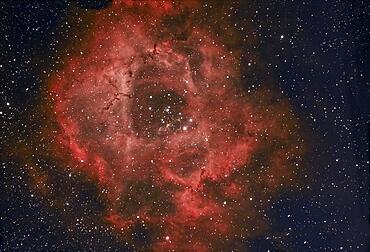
{"x":154,"y":109}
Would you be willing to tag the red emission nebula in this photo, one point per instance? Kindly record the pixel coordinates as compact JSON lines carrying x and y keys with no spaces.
{"x":154,"y":111}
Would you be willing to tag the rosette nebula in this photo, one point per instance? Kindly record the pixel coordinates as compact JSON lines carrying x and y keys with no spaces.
{"x":159,"y":108}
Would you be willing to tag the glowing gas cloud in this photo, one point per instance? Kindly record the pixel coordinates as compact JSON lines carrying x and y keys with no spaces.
{"x":155,"y":110}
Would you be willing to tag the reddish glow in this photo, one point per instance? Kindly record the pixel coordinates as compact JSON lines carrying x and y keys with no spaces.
{"x":165,"y":127}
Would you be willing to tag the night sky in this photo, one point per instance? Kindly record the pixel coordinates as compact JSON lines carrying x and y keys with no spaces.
{"x":184,"y":125}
